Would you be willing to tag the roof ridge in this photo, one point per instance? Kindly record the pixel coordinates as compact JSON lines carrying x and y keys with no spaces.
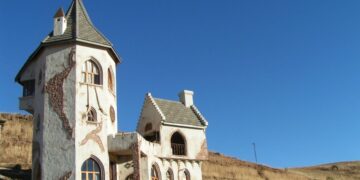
{"x":88,"y":19}
{"x":152,"y":100}
{"x":161,"y":99}
{"x":199,"y":115}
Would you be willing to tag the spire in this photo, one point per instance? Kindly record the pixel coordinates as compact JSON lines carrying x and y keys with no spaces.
{"x":59,"y":13}
{"x":79,"y":27}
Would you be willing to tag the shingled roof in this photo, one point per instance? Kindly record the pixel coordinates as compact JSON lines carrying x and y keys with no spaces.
{"x":178,"y":113}
{"x":79,"y":29}
{"x":79,"y":26}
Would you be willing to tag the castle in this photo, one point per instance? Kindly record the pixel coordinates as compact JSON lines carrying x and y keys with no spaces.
{"x":69,"y":86}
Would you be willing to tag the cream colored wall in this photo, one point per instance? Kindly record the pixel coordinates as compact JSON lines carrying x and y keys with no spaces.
{"x":148,"y":114}
{"x":194,"y":139}
{"x":59,"y":154}
{"x":98,"y":97}
{"x":176,"y":165}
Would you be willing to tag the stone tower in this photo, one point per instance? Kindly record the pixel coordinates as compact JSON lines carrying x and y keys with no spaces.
{"x":69,"y":86}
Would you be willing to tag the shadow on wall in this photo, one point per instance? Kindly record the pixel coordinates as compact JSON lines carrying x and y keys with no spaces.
{"x":15,"y":173}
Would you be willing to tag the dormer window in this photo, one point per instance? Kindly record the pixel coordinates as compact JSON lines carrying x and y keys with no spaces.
{"x":90,"y":73}
{"x":28,"y":88}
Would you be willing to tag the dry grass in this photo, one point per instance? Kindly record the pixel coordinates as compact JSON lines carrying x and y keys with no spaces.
{"x":15,"y":140}
{"x":333,"y":171}
{"x":227,"y":168}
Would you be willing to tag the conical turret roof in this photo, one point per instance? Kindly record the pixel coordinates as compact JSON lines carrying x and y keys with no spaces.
{"x":79,"y":27}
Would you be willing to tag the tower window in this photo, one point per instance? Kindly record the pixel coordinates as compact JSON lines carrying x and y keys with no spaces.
{"x":90,"y":73}
{"x":91,"y":170}
{"x":178,"y":145}
{"x":91,"y":115}
{"x":110,"y":80}
{"x":28,"y":88}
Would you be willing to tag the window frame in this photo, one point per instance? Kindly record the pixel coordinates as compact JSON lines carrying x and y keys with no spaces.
{"x":28,"y":88}
{"x":91,"y":111}
{"x":96,"y":161}
{"x":172,"y":145}
{"x":91,"y":77}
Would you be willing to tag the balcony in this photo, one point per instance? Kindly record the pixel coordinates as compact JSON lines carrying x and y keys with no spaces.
{"x":178,"y":149}
{"x":27,"y":103}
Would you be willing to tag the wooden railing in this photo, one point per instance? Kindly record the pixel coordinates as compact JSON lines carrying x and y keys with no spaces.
{"x":178,"y":149}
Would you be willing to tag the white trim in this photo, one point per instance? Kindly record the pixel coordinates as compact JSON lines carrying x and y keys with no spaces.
{"x":156,"y":106}
{"x":183,"y":125}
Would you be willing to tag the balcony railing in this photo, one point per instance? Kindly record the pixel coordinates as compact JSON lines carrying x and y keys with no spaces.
{"x":178,"y":149}
{"x":27,"y":103}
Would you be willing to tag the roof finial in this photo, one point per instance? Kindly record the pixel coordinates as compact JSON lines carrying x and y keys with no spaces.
{"x":59,"y":13}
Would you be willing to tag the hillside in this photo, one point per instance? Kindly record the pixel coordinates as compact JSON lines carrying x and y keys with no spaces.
{"x":15,"y":154}
{"x":226,"y":168}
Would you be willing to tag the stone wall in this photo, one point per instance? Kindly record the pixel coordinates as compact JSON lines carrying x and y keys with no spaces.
{"x":15,"y":140}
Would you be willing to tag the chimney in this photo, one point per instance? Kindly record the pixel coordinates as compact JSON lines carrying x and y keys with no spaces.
{"x":186,"y":97}
{"x":59,"y":23}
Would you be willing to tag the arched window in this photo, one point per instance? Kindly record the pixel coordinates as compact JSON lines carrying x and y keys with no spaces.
{"x":130,"y":177}
{"x":148,"y":127}
{"x":155,"y":175}
{"x":111,"y":80}
{"x":169,"y":174}
{"x":91,"y":170}
{"x":90,"y":73}
{"x":91,"y":115}
{"x":178,"y":144}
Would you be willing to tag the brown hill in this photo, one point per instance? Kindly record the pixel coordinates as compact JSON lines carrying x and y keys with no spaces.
{"x":15,"y":153}
{"x":227,"y":168}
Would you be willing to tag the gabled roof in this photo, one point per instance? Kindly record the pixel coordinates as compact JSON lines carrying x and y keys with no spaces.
{"x":79,"y":26}
{"x":79,"y":29}
{"x":175,"y":112}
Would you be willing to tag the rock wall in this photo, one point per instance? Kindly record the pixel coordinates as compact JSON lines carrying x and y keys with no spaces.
{"x":15,"y":140}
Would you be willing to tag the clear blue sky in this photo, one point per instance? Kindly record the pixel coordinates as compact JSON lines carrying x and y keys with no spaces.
{"x":284,"y":74}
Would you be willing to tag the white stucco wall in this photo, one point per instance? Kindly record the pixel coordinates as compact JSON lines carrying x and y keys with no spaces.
{"x":100,"y":98}
{"x":59,"y":155}
{"x":194,"y":139}
{"x":148,"y":114}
